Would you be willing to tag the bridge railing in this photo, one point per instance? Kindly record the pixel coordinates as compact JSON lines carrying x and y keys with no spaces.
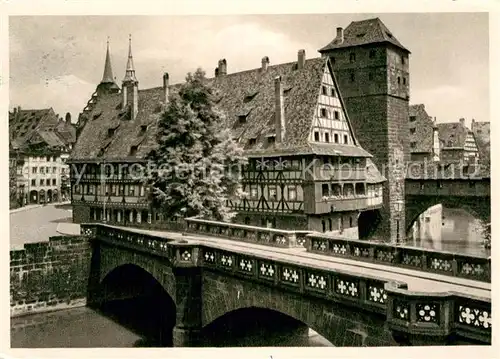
{"x":260,"y":235}
{"x":447,"y":263}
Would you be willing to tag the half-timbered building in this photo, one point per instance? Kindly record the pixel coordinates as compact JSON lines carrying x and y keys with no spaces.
{"x":306,"y":169}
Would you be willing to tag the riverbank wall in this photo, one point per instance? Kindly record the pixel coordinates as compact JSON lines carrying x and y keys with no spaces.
{"x":49,"y":276}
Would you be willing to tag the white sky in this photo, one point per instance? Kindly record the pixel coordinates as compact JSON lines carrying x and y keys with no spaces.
{"x":58,"y":61}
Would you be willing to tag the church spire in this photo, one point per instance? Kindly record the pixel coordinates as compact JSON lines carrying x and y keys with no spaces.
{"x":107,"y":77}
{"x":130,"y":71}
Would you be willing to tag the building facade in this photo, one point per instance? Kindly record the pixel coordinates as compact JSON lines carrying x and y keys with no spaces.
{"x":306,"y":168}
{"x":372,"y":69}
{"x":458,"y":143}
{"x":424,"y":135}
{"x":481,"y":131}
{"x":40,"y":143}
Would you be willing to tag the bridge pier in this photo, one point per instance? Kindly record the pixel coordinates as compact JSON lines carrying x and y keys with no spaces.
{"x":185,"y":337}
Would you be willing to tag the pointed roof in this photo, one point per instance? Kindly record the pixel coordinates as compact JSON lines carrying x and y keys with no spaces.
{"x":364,"y":32}
{"x":130,"y":70}
{"x":107,"y":77}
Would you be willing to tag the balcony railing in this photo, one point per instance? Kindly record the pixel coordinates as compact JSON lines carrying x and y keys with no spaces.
{"x":452,"y":264}
{"x":245,"y":233}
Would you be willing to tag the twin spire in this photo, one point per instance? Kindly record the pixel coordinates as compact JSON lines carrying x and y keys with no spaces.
{"x":108,"y":77}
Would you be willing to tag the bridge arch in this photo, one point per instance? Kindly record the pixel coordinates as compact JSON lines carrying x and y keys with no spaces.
{"x":340,"y":325}
{"x":416,"y":205}
{"x":133,"y":297}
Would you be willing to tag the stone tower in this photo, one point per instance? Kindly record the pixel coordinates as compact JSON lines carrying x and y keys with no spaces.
{"x":130,"y":85}
{"x":372,"y":69}
{"x":107,"y":84}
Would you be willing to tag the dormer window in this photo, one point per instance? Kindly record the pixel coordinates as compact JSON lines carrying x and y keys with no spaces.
{"x":252,"y":141}
{"x":143,"y":128}
{"x":242,"y":118}
{"x":271,"y":140}
{"x":133,"y":150}
{"x":111,"y":132}
{"x":250,"y":97}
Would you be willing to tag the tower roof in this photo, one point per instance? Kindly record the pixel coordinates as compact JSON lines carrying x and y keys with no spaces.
{"x":107,"y":77}
{"x":130,"y":70}
{"x":364,"y":32}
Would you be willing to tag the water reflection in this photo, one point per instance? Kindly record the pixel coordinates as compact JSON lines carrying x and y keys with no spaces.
{"x":88,"y":328}
{"x":449,"y":229}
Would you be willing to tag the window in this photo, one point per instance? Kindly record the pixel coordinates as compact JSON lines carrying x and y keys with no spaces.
{"x":54,"y":182}
{"x":450,"y":144}
{"x":292,"y":193}
{"x":413,"y":144}
{"x":271,"y":140}
{"x":336,"y":138}
{"x":330,"y":224}
{"x":325,"y":189}
{"x":350,"y":222}
{"x":247,"y":220}
{"x":353,"y":78}
{"x":34,"y":170}
{"x":253,"y":192}
{"x":322,"y":112}
{"x":370,"y":76}
{"x":372,"y":54}
{"x":142,"y":191}
{"x":42,"y":170}
{"x":33,"y":182}
{"x":404,"y":80}
{"x":403,"y":60}
{"x":54,"y":170}
{"x":399,"y":80}
{"x":346,"y":140}
{"x":131,"y":191}
{"x":333,"y":93}
{"x":413,"y":118}
{"x":352,"y":57}
{"x":242,"y":118}
{"x":143,"y":128}
{"x":252,"y":141}
{"x":42,"y":182}
{"x":133,"y":150}
{"x":412,"y":130}
{"x":439,"y":184}
{"x":337,"y":115}
{"x":327,"y":137}
{"x":111,"y":132}
{"x":121,"y":190}
{"x":113,"y":190}
{"x":324,"y":90}
{"x":316,"y":136}
{"x":323,"y":225}
{"x":472,"y":184}
{"x":273,"y":196}
{"x":47,"y":158}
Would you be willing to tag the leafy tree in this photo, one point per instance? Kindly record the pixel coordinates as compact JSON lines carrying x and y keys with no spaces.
{"x":195,"y":168}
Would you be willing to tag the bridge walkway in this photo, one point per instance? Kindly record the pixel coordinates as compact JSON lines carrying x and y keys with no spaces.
{"x":417,"y":281}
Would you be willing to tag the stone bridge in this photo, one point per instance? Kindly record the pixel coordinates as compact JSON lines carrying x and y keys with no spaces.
{"x":350,"y":292}
{"x":452,"y":185}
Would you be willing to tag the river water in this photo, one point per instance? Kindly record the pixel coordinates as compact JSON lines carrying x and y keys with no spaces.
{"x":87,"y":328}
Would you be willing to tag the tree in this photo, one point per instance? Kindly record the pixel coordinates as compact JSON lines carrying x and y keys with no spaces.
{"x":196,"y":165}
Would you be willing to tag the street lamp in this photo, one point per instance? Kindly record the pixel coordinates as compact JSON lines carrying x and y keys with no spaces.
{"x":398,"y":208}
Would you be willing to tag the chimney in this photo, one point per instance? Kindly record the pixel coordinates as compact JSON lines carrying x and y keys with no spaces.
{"x":279,"y":110}
{"x":14,"y":111}
{"x":265,"y":63}
{"x":340,"y":35}
{"x":222,"y":67}
{"x":216,"y":72}
{"x":68,"y":118}
{"x":18,"y":109}
{"x":301,"y":59}
{"x":462,"y":121}
{"x":165,"y":87}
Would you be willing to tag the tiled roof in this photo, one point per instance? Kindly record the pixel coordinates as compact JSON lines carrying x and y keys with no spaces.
{"x":34,"y":126}
{"x":424,"y":130}
{"x":481,"y":132}
{"x":449,"y":170}
{"x":250,"y":93}
{"x":363,"y":33}
{"x":452,"y":134}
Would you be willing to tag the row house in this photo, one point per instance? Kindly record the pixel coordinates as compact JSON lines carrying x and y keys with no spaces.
{"x":306,"y":169}
{"x":40,"y":141}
